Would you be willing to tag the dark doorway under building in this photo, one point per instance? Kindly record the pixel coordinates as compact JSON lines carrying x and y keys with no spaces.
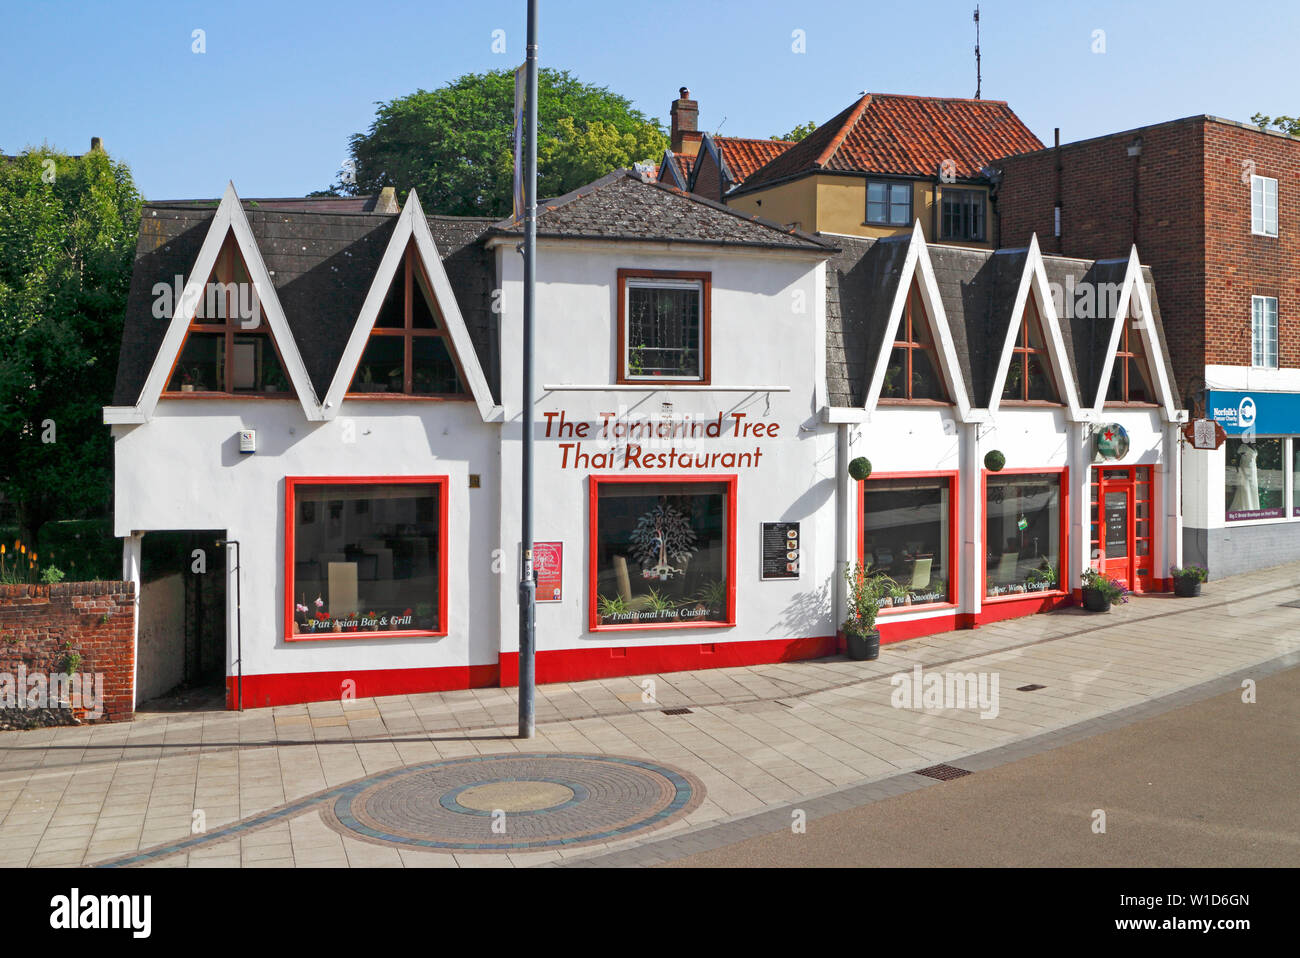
{"x":181,"y":654}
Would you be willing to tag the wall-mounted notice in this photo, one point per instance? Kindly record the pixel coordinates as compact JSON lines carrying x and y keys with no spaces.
{"x":548,"y":570}
{"x":780,"y":550}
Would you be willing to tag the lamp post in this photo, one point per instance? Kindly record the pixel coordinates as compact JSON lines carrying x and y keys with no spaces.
{"x":527,"y":584}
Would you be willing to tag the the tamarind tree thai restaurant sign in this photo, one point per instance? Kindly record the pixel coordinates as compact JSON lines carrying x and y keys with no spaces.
{"x":669,"y":443}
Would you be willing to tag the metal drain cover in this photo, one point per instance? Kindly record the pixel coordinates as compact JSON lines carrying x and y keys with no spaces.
{"x":944,"y":773}
{"x":681,"y":711}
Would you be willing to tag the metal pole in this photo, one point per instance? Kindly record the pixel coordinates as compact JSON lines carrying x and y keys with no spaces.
{"x":527,"y":585}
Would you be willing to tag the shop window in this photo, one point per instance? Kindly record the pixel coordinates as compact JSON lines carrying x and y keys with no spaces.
{"x":889,"y":204}
{"x":663,"y":326}
{"x":907,"y":529}
{"x":1254,"y":483}
{"x":914,"y":371}
{"x":228,"y":348}
{"x":366,"y":556}
{"x":1130,"y":376}
{"x":663,"y":553}
{"x":1263,"y":331}
{"x":963,"y":215}
{"x":1295,"y":475}
{"x":1029,"y":375}
{"x":1263,"y":205}
{"x":1023,"y":534}
{"x":408,"y":352}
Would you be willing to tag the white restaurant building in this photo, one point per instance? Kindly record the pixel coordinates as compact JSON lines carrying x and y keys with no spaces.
{"x":352,"y":422}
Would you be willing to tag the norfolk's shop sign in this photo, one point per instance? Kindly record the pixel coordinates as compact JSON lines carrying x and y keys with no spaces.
{"x":1257,"y":412}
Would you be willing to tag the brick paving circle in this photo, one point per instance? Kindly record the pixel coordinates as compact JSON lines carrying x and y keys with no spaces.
{"x":548,"y":801}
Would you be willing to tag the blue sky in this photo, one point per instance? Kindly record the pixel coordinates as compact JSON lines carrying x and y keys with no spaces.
{"x":282,"y":85}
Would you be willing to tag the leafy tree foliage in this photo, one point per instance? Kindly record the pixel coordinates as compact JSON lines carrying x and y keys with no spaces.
{"x":68,"y":229}
{"x":799,"y":132}
{"x":454,"y":144}
{"x":1287,"y":124}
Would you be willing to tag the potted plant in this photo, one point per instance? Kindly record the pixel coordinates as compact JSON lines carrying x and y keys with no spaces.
{"x":424,"y":616}
{"x":611,"y":608}
{"x":1188,"y":579}
{"x":189,"y":379}
{"x":1100,"y":591}
{"x":860,"y":468}
{"x":864,"y":594}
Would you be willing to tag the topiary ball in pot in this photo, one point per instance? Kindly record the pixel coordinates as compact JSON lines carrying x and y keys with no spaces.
{"x":860,"y":468}
{"x":994,"y":460}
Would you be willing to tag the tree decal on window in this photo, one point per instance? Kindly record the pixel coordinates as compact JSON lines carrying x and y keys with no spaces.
{"x":662,"y":536}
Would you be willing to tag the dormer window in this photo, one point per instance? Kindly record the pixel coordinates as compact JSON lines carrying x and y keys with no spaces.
{"x":228,"y":348}
{"x":914,"y":371}
{"x":663,"y":326}
{"x":408,"y":352}
{"x":1130,"y":377}
{"x":1029,"y":375}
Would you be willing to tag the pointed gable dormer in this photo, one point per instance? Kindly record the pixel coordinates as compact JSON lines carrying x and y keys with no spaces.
{"x":228,"y":348}
{"x":410,"y":340}
{"x":918,"y":357}
{"x":408,"y":352}
{"x":227,"y":334}
{"x":1135,"y":370}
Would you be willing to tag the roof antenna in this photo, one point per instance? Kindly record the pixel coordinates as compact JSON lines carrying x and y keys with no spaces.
{"x":723,"y":120}
{"x":978,"y":81}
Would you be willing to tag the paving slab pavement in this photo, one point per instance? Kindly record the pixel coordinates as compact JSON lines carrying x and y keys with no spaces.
{"x":755,"y":739}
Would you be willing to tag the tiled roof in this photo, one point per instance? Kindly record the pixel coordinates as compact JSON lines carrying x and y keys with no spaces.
{"x":744,"y":156}
{"x":621,"y":205}
{"x":674,"y":169}
{"x":907,"y":136}
{"x":322,"y":267}
{"x":293,"y":204}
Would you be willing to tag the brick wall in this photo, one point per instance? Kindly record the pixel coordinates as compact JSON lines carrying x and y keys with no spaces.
{"x":41,"y":624}
{"x":1192,"y":227}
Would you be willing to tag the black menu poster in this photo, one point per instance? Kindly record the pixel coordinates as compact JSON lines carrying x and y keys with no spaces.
{"x":780,"y":550}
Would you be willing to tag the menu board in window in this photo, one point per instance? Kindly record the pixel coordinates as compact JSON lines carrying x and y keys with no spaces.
{"x":780,"y":550}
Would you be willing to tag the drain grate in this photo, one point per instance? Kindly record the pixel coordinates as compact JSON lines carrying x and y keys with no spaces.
{"x":1030,"y":688}
{"x":681,"y":711}
{"x":944,"y":773}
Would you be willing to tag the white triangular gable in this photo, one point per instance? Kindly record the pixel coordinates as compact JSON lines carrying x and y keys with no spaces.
{"x":1034,"y":282}
{"x":411,"y":225}
{"x":1143,"y":323}
{"x":917,"y":265}
{"x":229,"y":218}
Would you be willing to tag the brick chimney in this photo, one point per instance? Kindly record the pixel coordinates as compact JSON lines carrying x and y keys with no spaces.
{"x":96,"y":144}
{"x":685,"y":137}
{"x":386,"y":202}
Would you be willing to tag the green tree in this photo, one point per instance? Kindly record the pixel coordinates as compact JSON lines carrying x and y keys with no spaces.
{"x":454,"y":144}
{"x":1287,"y":124}
{"x":799,"y":132}
{"x":68,"y":229}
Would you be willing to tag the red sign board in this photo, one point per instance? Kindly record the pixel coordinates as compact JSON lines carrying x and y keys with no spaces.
{"x":1204,"y":434}
{"x":548,"y":570}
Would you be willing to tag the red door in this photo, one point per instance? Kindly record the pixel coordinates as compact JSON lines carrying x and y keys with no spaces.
{"x":1123,"y":524}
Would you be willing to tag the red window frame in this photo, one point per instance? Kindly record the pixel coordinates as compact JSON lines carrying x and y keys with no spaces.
{"x":954,"y":533}
{"x":594,"y":484}
{"x":1020,"y":354}
{"x":705,"y":279}
{"x":292,"y":482}
{"x":1063,"y":562}
{"x":223,"y":271}
{"x":905,"y":339}
{"x":407,"y":332}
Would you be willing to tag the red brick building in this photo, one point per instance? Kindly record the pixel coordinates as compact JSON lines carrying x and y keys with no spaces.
{"x":1214,"y":207}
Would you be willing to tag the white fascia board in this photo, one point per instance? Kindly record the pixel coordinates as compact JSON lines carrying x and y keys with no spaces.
{"x":123,"y":415}
{"x":918,"y":260}
{"x":230,"y":217}
{"x":1034,"y":282}
{"x":411,"y":225}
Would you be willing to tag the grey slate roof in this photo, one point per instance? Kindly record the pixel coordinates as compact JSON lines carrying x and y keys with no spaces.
{"x":977,"y":288}
{"x":322,"y":265}
{"x":623,"y":206}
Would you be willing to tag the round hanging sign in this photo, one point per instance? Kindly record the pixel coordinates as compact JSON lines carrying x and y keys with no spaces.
{"x":1112,"y":441}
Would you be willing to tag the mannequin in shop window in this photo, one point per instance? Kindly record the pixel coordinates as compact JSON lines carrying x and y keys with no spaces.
{"x":1246,"y":497}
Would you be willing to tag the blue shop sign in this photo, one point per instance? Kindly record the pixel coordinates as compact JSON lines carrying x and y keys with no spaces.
{"x":1265,"y":413}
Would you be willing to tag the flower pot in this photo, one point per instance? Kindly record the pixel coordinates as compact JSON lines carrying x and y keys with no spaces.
{"x":187,"y":387}
{"x":1187,"y":587}
{"x":1094,"y":600}
{"x":863,"y":647}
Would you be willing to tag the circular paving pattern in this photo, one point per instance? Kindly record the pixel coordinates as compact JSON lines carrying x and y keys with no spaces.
{"x":513,"y":802}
